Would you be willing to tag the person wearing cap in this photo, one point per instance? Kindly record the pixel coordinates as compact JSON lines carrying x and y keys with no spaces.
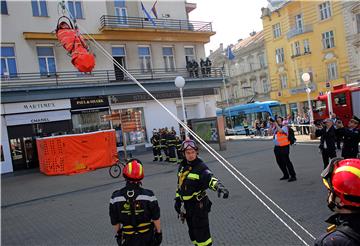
{"x":351,"y":138}
{"x":342,"y":179}
{"x":327,"y":140}
{"x":134,"y":211}
{"x":192,"y":203}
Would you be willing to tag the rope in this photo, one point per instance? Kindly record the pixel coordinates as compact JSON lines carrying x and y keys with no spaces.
{"x":216,"y":155}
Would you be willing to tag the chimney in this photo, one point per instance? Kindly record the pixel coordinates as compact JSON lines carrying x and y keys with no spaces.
{"x":252,"y":33}
{"x":221,"y":46}
{"x":240,"y":39}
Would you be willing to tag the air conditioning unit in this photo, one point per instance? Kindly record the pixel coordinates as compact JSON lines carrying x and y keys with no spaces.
{"x":166,"y":15}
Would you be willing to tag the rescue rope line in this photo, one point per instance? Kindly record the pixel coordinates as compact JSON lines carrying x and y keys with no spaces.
{"x":206,"y":146}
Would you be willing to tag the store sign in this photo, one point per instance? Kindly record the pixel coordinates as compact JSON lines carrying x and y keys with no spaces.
{"x":301,"y":89}
{"x":160,"y":95}
{"x":36,"y":106}
{"x":36,"y":118}
{"x":89,"y":102}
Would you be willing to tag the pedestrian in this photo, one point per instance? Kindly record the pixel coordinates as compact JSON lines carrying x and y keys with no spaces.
{"x":163,"y":145}
{"x":342,"y":180}
{"x":203,"y":67}
{"x":327,"y":140}
{"x":246,"y":127}
{"x":282,"y":149}
{"x":192,"y":203}
{"x":155,"y":141}
{"x":338,"y":134}
{"x":134,"y":211}
{"x":351,"y":138}
{"x":208,"y":67}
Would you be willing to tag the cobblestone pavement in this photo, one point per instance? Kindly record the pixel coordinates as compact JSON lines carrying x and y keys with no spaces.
{"x":73,"y":210}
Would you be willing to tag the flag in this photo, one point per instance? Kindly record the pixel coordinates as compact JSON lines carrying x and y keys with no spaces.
{"x":153,"y":9}
{"x":229,"y":54}
{"x":147,"y":14}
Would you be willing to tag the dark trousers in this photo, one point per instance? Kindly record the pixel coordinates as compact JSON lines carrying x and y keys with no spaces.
{"x":283,"y":160}
{"x":247,"y":131}
{"x":172,"y":153}
{"x":166,"y":153}
{"x":156,"y":153}
{"x":197,"y":219}
{"x":349,"y":153}
{"x":327,"y":155}
{"x":179,"y":155}
{"x":142,"y":239}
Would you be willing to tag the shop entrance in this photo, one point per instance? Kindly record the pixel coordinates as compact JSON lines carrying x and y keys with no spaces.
{"x":23,"y":153}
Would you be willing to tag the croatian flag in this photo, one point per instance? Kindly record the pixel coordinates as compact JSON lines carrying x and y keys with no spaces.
{"x":153,"y":9}
{"x":229,"y":54}
{"x":148,"y":16}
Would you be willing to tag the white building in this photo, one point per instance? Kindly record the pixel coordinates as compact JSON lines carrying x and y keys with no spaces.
{"x":43,"y":94}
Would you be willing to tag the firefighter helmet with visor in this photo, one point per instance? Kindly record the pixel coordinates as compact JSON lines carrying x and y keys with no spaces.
{"x":133,"y":170}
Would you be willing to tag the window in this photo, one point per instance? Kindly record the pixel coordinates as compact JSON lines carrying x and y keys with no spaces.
{"x":144,"y":58}
{"x":276,"y":30}
{"x":332,"y":71}
{"x":118,"y":53}
{"x":306,"y":46}
{"x":297,"y":48}
{"x":299,"y":23}
{"x":325,"y":11}
{"x":358,"y":22}
{"x":283,"y":81}
{"x":4,"y":10}
{"x":265,"y":85}
{"x":279,"y":55}
{"x":121,"y":12}
{"x":262,"y":61}
{"x":328,"y":40}
{"x":340,"y":99}
{"x":39,"y":8}
{"x":8,"y":62}
{"x":46,"y":60}
{"x":75,"y":9}
{"x":189,"y":54}
{"x":168,"y":55}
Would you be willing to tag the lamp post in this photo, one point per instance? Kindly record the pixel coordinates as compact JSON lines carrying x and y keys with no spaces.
{"x":306,"y":78}
{"x":226,"y":95}
{"x":180,"y":83}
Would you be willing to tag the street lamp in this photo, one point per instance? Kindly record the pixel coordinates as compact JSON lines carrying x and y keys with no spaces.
{"x":226,"y":95}
{"x":180,"y":83}
{"x":306,"y":78}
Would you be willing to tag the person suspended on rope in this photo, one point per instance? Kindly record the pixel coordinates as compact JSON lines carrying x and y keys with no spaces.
{"x":72,"y":41}
{"x":342,"y":179}
{"x":134,"y":211}
{"x":192,"y":203}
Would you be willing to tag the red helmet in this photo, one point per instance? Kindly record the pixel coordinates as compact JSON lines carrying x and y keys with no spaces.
{"x":342,"y":177}
{"x":133,"y":170}
{"x":188,"y":143}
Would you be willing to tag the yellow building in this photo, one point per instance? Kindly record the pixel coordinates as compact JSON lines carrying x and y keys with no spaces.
{"x":304,"y":36}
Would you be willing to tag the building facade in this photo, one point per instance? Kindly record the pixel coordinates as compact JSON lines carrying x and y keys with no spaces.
{"x":352,"y":29}
{"x":43,"y":94}
{"x":304,"y":36}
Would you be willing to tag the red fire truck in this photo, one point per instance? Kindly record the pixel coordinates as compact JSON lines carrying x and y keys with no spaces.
{"x":344,"y":101}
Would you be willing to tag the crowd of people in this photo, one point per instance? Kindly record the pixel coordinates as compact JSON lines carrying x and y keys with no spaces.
{"x":193,"y":68}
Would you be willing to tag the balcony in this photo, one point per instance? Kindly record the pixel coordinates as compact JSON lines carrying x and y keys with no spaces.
{"x":109,"y":22}
{"x":99,"y":77}
{"x":298,"y":31}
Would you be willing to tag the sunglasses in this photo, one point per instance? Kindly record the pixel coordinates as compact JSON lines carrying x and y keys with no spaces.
{"x":188,"y":144}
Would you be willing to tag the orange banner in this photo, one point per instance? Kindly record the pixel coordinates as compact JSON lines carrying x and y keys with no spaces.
{"x":77,"y":153}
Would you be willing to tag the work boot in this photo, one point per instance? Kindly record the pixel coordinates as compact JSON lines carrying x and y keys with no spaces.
{"x":284,"y":177}
{"x":292,"y":179}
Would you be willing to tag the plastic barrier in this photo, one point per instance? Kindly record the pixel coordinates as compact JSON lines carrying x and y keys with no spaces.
{"x":77,"y":153}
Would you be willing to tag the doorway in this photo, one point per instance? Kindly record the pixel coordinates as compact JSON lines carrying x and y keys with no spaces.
{"x":23,"y":153}
{"x":119,"y":75}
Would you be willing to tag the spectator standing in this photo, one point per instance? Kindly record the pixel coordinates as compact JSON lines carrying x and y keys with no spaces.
{"x":190,"y":69}
{"x":282,"y":150}
{"x":195,"y":66}
{"x":351,"y":138}
{"x":327,"y":141}
{"x":246,"y":127}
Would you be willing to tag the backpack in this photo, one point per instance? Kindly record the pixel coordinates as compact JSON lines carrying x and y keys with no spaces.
{"x":291,"y":136}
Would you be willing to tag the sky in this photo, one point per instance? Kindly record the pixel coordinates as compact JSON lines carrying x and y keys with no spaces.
{"x":231,"y":19}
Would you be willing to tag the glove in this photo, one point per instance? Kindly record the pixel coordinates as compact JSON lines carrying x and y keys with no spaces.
{"x":157,"y":238}
{"x":222,"y":189}
{"x":177,"y":205}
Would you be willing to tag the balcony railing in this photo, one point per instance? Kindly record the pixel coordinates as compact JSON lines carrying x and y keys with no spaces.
{"x":109,"y":21}
{"x":99,"y":77}
{"x":297,"y":31}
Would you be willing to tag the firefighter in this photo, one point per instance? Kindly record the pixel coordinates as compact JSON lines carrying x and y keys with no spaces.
{"x":134,"y":211}
{"x":178,"y":150}
{"x":163,"y":146}
{"x":351,"y":138}
{"x":171,"y":142}
{"x":342,"y":179}
{"x":155,"y":140}
{"x":192,"y":203}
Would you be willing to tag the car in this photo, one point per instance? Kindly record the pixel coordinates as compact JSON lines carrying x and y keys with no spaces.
{"x":237,"y":130}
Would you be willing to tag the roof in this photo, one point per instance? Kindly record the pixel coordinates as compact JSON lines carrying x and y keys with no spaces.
{"x":258,"y":37}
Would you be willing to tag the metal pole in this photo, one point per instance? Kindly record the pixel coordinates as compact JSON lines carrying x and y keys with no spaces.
{"x":183,"y":109}
{"x":308,"y":90}
{"x":227,"y":98}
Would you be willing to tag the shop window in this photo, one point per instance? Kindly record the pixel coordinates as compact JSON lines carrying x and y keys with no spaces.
{"x":340,"y":100}
{"x":90,"y":121}
{"x":16,"y":149}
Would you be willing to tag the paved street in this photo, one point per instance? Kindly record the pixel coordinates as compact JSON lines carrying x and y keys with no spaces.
{"x":73,"y":210}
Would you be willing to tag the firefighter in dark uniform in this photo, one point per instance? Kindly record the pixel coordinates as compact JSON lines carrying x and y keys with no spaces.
{"x":155,"y":141}
{"x":134,"y":211}
{"x":163,"y":145}
{"x":342,"y":178}
{"x":171,"y":142}
{"x":191,"y":202}
{"x":351,"y":138}
{"x":178,"y":150}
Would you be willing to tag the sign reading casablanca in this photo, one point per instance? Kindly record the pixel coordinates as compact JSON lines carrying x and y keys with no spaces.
{"x":40,"y":117}
{"x":36,"y":106}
